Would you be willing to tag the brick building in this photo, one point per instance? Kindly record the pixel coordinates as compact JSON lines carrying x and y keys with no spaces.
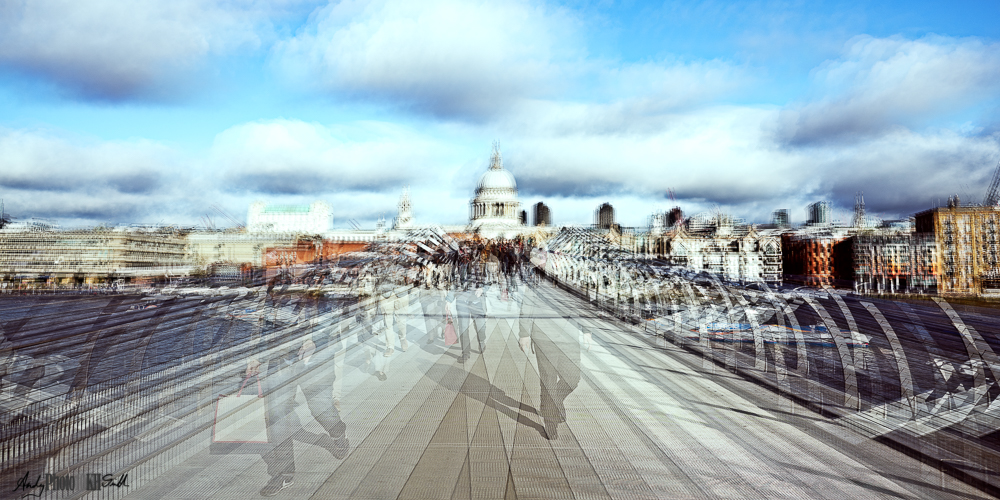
{"x":967,"y":245}
{"x":894,"y":262}
{"x":817,"y":259}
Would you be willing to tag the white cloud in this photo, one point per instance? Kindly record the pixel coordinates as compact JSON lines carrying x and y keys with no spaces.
{"x":360,"y":168}
{"x":46,"y":175}
{"x":445,"y":57}
{"x":723,"y":144}
{"x":295,"y":157}
{"x":904,"y":171}
{"x":881,"y":84}
{"x":713,"y":156}
{"x":725,"y":155}
{"x":110,"y":50}
{"x":480,"y":60}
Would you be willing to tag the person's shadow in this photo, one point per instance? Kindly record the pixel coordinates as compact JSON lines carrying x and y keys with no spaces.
{"x":482,"y":390}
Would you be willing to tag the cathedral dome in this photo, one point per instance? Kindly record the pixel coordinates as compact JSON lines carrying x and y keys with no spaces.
{"x":495,"y":206}
{"x":496,"y":179}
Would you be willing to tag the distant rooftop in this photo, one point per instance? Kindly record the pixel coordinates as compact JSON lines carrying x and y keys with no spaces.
{"x":286,"y":209}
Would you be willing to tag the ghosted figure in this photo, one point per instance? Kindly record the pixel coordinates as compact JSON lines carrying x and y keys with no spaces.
{"x":449,"y":300}
{"x":388,"y":319}
{"x":371,"y":323}
{"x":400,"y":318}
{"x":556,"y":346}
{"x":308,"y":365}
{"x":471,"y":306}
{"x":432,"y":311}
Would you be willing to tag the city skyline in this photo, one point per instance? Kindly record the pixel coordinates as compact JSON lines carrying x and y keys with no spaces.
{"x":746,"y":108}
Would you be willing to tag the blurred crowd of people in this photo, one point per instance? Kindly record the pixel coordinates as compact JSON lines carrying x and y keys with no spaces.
{"x":443,"y":293}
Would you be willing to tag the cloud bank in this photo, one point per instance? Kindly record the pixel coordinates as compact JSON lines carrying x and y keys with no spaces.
{"x":294,"y":157}
{"x":903,"y":119}
{"x":447,"y":58}
{"x":108,"y":50}
{"x":882,"y":85}
{"x":51,"y":176}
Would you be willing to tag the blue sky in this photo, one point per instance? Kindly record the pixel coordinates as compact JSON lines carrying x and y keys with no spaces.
{"x":155,"y":112}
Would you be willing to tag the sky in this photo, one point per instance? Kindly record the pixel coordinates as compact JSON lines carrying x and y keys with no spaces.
{"x":170,"y":112}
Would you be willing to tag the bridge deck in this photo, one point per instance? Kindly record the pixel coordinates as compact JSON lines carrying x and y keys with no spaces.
{"x":646,"y":420}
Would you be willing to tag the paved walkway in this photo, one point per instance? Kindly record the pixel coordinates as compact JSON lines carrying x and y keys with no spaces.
{"x":645,"y":420}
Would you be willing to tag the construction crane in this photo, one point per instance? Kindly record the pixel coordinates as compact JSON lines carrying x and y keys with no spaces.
{"x":992,"y":198}
{"x":860,"y":218}
{"x":231,"y":219}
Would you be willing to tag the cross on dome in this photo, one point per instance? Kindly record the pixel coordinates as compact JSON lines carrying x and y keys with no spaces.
{"x":496,"y":162}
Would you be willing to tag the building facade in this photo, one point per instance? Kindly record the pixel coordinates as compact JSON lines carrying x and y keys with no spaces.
{"x":819,"y":213}
{"x":91,"y":255}
{"x":404,"y":216}
{"x":314,"y":218}
{"x":604,"y":216}
{"x":780,"y":219}
{"x":742,"y":254}
{"x":205,"y":248}
{"x":818,"y":258}
{"x":967,"y":241}
{"x":543,"y":216}
{"x":894,"y":262}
